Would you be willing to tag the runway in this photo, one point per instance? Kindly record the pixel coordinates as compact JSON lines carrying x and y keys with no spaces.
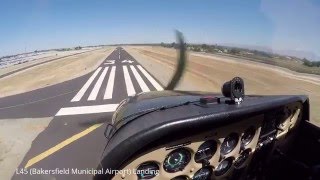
{"x":81,"y":108}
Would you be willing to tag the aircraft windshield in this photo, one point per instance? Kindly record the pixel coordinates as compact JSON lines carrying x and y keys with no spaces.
{"x":65,"y":66}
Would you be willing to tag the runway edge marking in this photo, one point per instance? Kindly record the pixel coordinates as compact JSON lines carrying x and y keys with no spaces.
{"x":59,"y":146}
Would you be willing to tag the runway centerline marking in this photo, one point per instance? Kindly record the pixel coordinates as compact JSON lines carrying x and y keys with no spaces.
{"x":61,"y":145}
{"x":94,"y":93}
{"x":141,"y":83}
{"x":87,"y":109}
{"x":150,"y":78}
{"x":127,"y":79}
{"x":109,"y":89}
{"x":84,"y":88}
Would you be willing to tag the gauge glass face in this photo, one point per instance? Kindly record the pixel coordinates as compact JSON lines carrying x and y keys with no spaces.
{"x":248,"y":136}
{"x":203,"y":174}
{"x":205,"y":151}
{"x":229,"y":143}
{"x":181,"y":178}
{"x":223,"y":167}
{"x":147,"y":170}
{"x":177,"y":160}
{"x":242,"y":158}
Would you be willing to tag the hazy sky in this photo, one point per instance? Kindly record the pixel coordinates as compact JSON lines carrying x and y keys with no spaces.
{"x":44,"y":24}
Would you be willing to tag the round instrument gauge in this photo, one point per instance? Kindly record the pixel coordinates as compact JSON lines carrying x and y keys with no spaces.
{"x":181,"y":178}
{"x":242,"y":158}
{"x":224,"y":166}
{"x":247,"y":136}
{"x":229,"y":143}
{"x":147,"y":170}
{"x":177,"y":160}
{"x":203,"y":174}
{"x":205,"y":151}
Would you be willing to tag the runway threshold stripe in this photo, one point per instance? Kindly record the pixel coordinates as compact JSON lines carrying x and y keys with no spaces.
{"x":127,"y":79}
{"x":110,"y":85}
{"x":59,"y":146}
{"x":141,"y":83}
{"x":150,"y":78}
{"x":87,"y":109}
{"x":84,"y":88}
{"x":94,"y":93}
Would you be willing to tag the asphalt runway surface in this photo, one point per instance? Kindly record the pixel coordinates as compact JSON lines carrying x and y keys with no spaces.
{"x":81,"y":108}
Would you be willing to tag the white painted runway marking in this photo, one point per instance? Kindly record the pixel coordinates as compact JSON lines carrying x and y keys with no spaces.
{"x":87,"y":109}
{"x":127,"y":79}
{"x":109,"y":62}
{"x":94,"y":93}
{"x":84,"y":88}
{"x":127,"y":61}
{"x":119,"y":56}
{"x":141,"y":83}
{"x":110,"y":85}
{"x":150,"y":78}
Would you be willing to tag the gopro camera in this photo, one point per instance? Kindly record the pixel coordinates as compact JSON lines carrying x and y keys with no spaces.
{"x":234,"y":90}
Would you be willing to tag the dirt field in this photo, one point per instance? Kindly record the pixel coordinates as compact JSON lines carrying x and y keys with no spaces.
{"x":14,"y":146}
{"x":207,"y":73}
{"x":52,"y":73}
{"x":41,"y":58}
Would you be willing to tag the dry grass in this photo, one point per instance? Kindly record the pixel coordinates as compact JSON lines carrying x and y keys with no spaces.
{"x":208,"y":74}
{"x":52,"y":73}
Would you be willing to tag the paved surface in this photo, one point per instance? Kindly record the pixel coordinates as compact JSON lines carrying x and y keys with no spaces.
{"x":81,"y":108}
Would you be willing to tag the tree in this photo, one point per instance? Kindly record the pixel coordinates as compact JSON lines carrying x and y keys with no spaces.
{"x":173,"y":44}
{"x":309,"y":63}
{"x":197,"y":49}
{"x":234,"y":51}
{"x":204,"y":46}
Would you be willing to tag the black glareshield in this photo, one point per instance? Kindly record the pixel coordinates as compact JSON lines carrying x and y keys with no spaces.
{"x":234,"y":89}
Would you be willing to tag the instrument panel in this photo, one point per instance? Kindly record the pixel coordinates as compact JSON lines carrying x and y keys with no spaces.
{"x":215,"y":154}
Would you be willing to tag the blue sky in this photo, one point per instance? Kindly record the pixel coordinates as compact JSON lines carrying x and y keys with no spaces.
{"x":44,"y":24}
